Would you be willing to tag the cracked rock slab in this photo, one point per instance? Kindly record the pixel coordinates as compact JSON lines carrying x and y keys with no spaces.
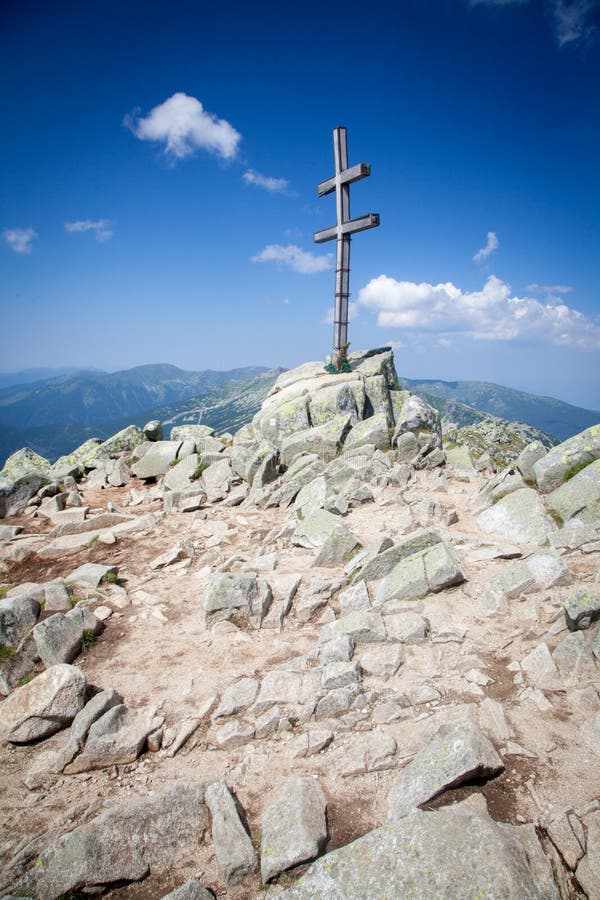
{"x":463,"y":753}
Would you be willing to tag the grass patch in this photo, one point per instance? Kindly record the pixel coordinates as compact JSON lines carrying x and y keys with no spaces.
{"x":199,"y":470}
{"x":557,"y":518}
{"x":92,"y":542}
{"x":111,"y":578}
{"x":4,"y":589}
{"x":173,"y":463}
{"x":25,"y":679}
{"x":6,"y":652}
{"x":575,"y":470}
{"x":74,"y":599}
{"x":87,"y":640}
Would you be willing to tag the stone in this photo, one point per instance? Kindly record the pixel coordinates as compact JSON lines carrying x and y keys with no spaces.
{"x":457,"y":852}
{"x":561,"y":834}
{"x":24,"y":473}
{"x":188,"y":500}
{"x":313,"y":496}
{"x":278,"y":687}
{"x":540,"y":668}
{"x":415,"y":576}
{"x":190,"y":890}
{"x":334,"y":400}
{"x":294,"y":826}
{"x":407,"y":627}
{"x":339,"y":649}
{"x":339,"y":674}
{"x":368,"y":753}
{"x":339,"y":546}
{"x":182,"y":476}
{"x":580,"y":496}
{"x":588,"y":870}
{"x":581,"y":609}
{"x":463,"y":753}
{"x":57,"y":597}
{"x":381,"y":561}
{"x":191,"y":432}
{"x":528,"y":457}
{"x":519,"y":516}
{"x":157,"y":459}
{"x":91,"y":573}
{"x":125,"y":843}
{"x":383,"y":662}
{"x":574,"y":659}
{"x":336,"y":701}
{"x":313,"y":530}
{"x":17,"y":616}
{"x":48,"y":703}
{"x":324,"y":440}
{"x":217,"y":477}
{"x":362,"y":626}
{"x":355,"y":597}
{"x":233,"y":848}
{"x":115,"y":738}
{"x":240,"y":598}
{"x":153,"y":430}
{"x":237,"y":697}
{"x":361,"y":560}
{"x":58,"y":639}
{"x":373,"y":431}
{"x":181,"y":550}
{"x":559,"y":463}
{"x":234,"y":734}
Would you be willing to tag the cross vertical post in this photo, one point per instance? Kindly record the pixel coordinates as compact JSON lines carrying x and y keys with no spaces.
{"x":342,"y":232}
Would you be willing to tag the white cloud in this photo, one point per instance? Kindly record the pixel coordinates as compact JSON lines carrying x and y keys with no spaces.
{"x":274,"y":185}
{"x":549,"y":288}
{"x":572,"y":20}
{"x":491,"y":314}
{"x":19,"y":239}
{"x":182,"y":123}
{"x":353,"y":310}
{"x":492,"y":244}
{"x":102,"y":228}
{"x":294,"y":258}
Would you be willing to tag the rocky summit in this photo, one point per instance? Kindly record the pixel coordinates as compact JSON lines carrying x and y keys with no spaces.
{"x":336,"y":654}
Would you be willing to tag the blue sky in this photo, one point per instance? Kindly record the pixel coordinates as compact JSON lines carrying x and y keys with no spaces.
{"x":158,"y":185}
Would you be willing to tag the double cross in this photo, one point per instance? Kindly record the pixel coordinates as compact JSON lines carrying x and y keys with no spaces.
{"x":342,"y":231}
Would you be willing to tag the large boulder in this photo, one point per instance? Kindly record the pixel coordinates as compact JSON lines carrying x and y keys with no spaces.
{"x":570,"y":457}
{"x":459,"y":852}
{"x":241,"y":598}
{"x":325,"y":440}
{"x":579,"y":496}
{"x":294,"y":826}
{"x":519,"y":516}
{"x":24,"y":473}
{"x":48,"y":703}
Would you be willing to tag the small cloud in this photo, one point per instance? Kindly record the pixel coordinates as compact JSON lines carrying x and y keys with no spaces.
{"x":102,"y":228}
{"x":294,"y":258}
{"x":19,"y":239}
{"x":492,"y":244}
{"x":182,"y":123}
{"x":445,"y":342}
{"x":353,"y":310}
{"x":286,"y":301}
{"x":573,"y":20}
{"x":549,"y":288}
{"x":491,"y":314}
{"x":274,"y":185}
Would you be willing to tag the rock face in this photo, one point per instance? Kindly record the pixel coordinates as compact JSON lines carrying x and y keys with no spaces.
{"x":562,"y":462}
{"x":125,"y":842}
{"x":294,"y":827}
{"x":44,"y":706}
{"x":24,"y":473}
{"x":456,"y":852}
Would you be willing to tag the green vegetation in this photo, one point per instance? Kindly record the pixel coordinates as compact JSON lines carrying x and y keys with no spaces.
{"x":199,"y":470}
{"x":6,"y":652}
{"x":74,"y":599}
{"x":111,"y":578}
{"x":557,"y":518}
{"x":173,"y":463}
{"x":25,"y":679}
{"x":575,"y":470}
{"x":4,"y":589}
{"x":88,"y":639}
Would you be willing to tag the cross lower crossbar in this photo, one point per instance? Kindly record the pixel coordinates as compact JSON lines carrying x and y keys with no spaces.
{"x":351,"y":227}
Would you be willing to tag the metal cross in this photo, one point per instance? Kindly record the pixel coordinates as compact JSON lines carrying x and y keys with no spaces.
{"x":342,"y":232}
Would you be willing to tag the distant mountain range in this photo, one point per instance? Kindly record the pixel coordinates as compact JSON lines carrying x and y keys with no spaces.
{"x":54,"y":415}
{"x":558,"y":419}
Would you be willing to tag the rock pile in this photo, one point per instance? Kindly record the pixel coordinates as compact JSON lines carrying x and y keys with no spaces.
{"x":324,"y":638}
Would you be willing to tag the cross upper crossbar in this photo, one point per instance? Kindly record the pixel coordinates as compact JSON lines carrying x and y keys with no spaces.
{"x":341,"y":232}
